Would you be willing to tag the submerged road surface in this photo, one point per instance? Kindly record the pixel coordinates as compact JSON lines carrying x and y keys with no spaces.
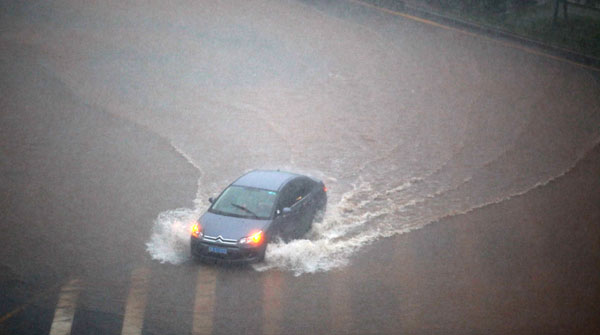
{"x":462,"y":171}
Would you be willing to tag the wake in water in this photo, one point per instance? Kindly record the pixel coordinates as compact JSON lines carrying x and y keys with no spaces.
{"x":348,"y":225}
{"x":365,"y":213}
{"x":328,"y":245}
{"x":170,"y":240}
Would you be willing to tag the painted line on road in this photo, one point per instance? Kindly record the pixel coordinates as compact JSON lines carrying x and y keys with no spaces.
{"x":136,"y":302}
{"x":272,"y":307}
{"x":65,"y":308}
{"x":204,"y":303}
{"x":340,"y":311}
{"x":21,"y":308}
{"x":13,"y":312}
{"x":466,"y":32}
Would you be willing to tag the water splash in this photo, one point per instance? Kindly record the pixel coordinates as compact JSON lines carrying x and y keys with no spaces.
{"x":170,"y":240}
{"x":361,"y":215}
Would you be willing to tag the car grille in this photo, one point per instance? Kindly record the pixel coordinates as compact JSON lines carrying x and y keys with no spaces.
{"x":219,"y":240}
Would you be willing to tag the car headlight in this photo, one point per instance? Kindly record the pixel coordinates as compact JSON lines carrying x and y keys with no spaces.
{"x":254,"y":239}
{"x":197,"y":230}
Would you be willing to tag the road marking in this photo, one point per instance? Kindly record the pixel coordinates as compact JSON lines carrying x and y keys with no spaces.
{"x":65,"y":308}
{"x":41,"y":296}
{"x":410,"y":306}
{"x":340,"y":311}
{"x":136,"y":302}
{"x":204,"y":304}
{"x":466,"y":32}
{"x":272,"y":307}
{"x":13,"y":312}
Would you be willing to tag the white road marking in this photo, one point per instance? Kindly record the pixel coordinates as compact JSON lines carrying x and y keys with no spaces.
{"x":272,"y":307}
{"x":65,"y":308}
{"x":136,"y":302}
{"x":339,"y":304}
{"x":204,"y":304}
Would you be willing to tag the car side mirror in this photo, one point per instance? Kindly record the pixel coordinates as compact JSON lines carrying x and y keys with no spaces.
{"x":286,"y":210}
{"x":211,"y":200}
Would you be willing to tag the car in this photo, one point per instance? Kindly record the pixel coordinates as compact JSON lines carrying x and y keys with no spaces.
{"x":258,"y":207}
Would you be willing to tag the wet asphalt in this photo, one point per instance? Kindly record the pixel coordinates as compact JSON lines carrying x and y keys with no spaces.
{"x":88,"y":162}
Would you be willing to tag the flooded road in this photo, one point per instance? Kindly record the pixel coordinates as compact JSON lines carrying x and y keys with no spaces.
{"x":462,"y":171}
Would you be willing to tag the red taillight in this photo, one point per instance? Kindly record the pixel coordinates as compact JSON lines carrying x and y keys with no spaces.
{"x":324,"y":188}
{"x":196,"y":230}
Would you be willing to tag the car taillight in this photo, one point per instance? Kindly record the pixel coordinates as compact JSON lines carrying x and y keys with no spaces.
{"x":197,"y":230}
{"x":324,"y":188}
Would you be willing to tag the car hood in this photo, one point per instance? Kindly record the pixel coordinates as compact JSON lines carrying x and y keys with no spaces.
{"x":230,"y":227}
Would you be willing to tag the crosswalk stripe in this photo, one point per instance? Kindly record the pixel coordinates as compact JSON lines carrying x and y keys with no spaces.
{"x":65,"y":308}
{"x":340,"y":304}
{"x":272,"y":307}
{"x":136,"y":302}
{"x":204,"y":304}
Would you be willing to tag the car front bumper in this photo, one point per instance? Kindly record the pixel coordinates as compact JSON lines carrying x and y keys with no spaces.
{"x":235,"y":254}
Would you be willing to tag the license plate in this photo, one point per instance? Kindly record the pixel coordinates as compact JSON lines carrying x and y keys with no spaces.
{"x":217,"y":250}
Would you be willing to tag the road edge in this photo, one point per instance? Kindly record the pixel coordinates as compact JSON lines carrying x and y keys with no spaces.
{"x":407,"y":10}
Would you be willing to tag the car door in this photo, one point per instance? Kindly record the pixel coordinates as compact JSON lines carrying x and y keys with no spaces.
{"x":301,"y":207}
{"x":305,"y":202}
{"x":286,"y":222}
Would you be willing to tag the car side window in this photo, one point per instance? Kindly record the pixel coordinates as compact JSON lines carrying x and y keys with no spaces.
{"x":294,"y":192}
{"x":288,"y":196}
{"x":304,"y":188}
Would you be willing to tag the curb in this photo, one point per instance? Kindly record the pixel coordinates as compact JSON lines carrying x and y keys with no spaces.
{"x":403,"y":7}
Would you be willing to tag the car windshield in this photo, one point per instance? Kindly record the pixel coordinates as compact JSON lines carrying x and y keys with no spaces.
{"x":245,"y":202}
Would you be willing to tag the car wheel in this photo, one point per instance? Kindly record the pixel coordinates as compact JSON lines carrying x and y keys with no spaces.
{"x":312,"y":219}
{"x":319,"y":215}
{"x":308,"y":226}
{"x":261,"y":255}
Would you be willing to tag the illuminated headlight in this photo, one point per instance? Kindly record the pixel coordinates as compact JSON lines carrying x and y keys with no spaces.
{"x":254,"y":239}
{"x":197,"y":230}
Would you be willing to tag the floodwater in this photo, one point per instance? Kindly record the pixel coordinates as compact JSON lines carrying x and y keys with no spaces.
{"x":121,"y":119}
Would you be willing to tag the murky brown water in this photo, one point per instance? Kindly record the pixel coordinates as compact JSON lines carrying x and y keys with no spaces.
{"x":121,"y":119}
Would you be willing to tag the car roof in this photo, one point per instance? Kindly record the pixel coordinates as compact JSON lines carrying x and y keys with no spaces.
{"x":266,"y":179}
